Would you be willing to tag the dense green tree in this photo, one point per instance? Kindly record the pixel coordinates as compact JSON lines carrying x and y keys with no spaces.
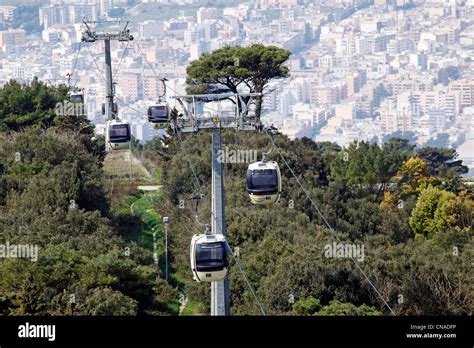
{"x":62,"y":273}
{"x":438,"y":159}
{"x":414,"y":176}
{"x":53,"y":196}
{"x":105,"y":301}
{"x":338,"y":308}
{"x":29,"y":105}
{"x":57,"y":160}
{"x":306,"y":306}
{"x":419,"y":277}
{"x":438,"y":211}
{"x":365,"y":169}
{"x":396,"y":151}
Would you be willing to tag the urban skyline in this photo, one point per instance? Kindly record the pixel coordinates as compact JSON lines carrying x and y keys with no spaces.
{"x":359,"y":70}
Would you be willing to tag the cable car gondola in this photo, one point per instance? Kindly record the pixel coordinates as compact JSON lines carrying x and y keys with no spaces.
{"x":158,"y":115}
{"x":264,"y":182}
{"x":76,"y":96}
{"x":117,"y":135}
{"x":209,"y":257}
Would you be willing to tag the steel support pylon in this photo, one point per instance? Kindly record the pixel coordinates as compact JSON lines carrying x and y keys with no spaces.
{"x":109,"y":93}
{"x":239,"y":115}
{"x":220,"y":299}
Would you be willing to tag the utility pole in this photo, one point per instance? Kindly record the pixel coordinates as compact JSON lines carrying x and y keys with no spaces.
{"x":130,"y":162}
{"x":165,"y":222}
{"x":240,"y":116}
{"x":121,"y":34}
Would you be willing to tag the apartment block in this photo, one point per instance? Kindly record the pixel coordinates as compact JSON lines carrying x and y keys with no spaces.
{"x":465,"y":88}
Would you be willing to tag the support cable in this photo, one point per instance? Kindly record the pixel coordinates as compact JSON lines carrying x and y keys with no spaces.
{"x":75,"y":63}
{"x":237,"y":262}
{"x":96,"y":65}
{"x":163,"y":80}
{"x":120,"y":61}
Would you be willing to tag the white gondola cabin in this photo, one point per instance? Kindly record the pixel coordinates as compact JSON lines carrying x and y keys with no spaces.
{"x":117,"y":135}
{"x":209,"y":257}
{"x":158,"y":115}
{"x":264,"y":182}
{"x":76,"y":96}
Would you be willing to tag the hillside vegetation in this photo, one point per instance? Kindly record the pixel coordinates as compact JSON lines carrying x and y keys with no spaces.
{"x":407,"y":206}
{"x":53,"y":194}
